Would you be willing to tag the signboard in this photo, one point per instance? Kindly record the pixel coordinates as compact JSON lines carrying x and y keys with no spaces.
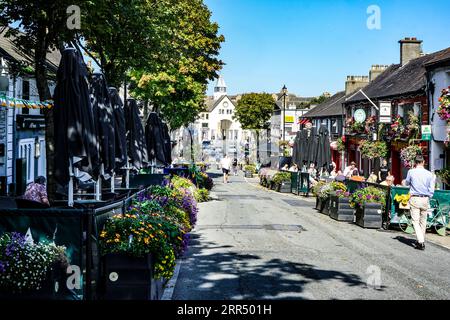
{"x":426,"y":133}
{"x":289,"y":119}
{"x":385,"y":112}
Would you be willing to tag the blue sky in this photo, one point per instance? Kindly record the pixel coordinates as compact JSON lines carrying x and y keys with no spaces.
{"x":311,"y":46}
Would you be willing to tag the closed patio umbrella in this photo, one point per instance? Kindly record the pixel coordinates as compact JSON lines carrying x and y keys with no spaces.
{"x":323,"y":149}
{"x":74,"y":131}
{"x":104,"y":123}
{"x":156,"y":139}
{"x":137,"y":147}
{"x":120,"y":129}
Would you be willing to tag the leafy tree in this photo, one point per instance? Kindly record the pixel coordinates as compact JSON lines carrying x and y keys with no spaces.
{"x":253,"y":111}
{"x":43,"y":27}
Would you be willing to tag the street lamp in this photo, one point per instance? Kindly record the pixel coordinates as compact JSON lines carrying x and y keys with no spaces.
{"x":284,"y":91}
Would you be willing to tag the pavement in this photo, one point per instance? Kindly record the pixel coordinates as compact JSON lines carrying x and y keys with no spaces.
{"x":254,"y":244}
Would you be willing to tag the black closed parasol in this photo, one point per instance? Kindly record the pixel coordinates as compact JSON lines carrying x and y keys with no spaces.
{"x":104,"y":123}
{"x":137,"y":147}
{"x":167,"y":144}
{"x":155,"y":136}
{"x":120,"y":129}
{"x":323,"y":148}
{"x":75,"y":135}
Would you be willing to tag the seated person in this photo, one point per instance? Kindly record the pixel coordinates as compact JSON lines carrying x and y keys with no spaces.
{"x":372,"y":178}
{"x":389,"y":181}
{"x":340,"y":176}
{"x":285,"y":168}
{"x":294,"y":168}
{"x":312,"y":174}
{"x":36,"y":191}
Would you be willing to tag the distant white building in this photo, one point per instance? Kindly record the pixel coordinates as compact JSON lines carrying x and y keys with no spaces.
{"x":215,"y":131}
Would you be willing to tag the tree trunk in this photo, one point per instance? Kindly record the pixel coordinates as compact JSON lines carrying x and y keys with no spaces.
{"x":192,"y":146}
{"x":44,"y":94}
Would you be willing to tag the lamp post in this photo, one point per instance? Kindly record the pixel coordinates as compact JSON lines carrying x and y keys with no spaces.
{"x":284,"y":91}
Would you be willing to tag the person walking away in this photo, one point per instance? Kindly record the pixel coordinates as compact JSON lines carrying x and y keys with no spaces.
{"x":384,"y":172}
{"x":422,"y":183}
{"x":226,"y":167}
{"x":235,"y":164}
{"x":36,"y":191}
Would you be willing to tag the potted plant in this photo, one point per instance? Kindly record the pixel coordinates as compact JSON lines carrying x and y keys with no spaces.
{"x":324,"y":195}
{"x":369,"y":204}
{"x":137,"y":257}
{"x":282,"y":182}
{"x":340,"y":208}
{"x":249,"y":170}
{"x":316,"y":191}
{"x":373,"y":149}
{"x":403,"y":201}
{"x":30,"y":270}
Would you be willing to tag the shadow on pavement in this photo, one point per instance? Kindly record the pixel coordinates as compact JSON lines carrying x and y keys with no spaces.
{"x":208,"y":274}
{"x":408,"y":241}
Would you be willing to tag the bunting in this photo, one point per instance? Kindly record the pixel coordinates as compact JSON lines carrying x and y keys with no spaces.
{"x":10,"y":102}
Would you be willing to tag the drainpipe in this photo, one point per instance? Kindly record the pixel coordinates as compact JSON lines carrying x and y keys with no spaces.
{"x":14,"y":142}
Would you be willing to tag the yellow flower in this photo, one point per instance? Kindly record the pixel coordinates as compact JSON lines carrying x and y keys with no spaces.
{"x":103,"y":234}
{"x":116,"y":240}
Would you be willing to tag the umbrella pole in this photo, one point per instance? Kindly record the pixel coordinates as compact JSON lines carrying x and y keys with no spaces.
{"x":70,"y":201}
{"x":113,"y":187}
{"x":127,"y":176}
{"x":98,"y":185}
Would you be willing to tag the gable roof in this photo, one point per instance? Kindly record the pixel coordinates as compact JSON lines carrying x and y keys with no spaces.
{"x":211,"y":104}
{"x":330,"y":107}
{"x":398,"y":80}
{"x":11,"y":51}
{"x":442,"y":57}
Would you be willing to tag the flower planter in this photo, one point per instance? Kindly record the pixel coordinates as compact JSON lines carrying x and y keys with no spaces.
{"x":369,"y":217}
{"x":341,"y":210}
{"x":318,"y":203}
{"x":248,"y":174}
{"x":130,"y":278}
{"x":284,"y":187}
{"x":325,"y":206}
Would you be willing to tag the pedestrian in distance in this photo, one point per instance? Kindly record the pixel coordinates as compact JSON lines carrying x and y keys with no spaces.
{"x":235,"y":166}
{"x":226,"y":167}
{"x":422,"y":184}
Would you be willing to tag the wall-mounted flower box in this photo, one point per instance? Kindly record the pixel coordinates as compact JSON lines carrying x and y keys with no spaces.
{"x":369,"y":216}
{"x":340,"y":209}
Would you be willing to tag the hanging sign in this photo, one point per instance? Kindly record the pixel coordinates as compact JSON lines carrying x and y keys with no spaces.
{"x":385,"y":112}
{"x":426,"y":133}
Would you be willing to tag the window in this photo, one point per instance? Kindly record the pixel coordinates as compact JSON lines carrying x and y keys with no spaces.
{"x":204,"y":125}
{"x":229,"y":111}
{"x":207,"y":116}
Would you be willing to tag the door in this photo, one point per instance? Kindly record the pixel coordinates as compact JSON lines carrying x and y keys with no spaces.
{"x":41,"y":160}
{"x":27,"y":151}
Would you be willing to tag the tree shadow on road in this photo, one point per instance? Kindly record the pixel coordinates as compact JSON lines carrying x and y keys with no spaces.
{"x":209,"y":273}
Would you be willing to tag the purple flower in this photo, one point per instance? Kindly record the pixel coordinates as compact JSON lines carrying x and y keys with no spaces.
{"x":360,"y":196}
{"x":3,"y":266}
{"x":368,"y":197}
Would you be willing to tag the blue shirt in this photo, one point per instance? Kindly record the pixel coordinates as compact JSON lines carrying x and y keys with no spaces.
{"x":421,"y":182}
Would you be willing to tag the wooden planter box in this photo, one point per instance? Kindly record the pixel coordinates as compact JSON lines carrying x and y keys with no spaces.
{"x":285,"y":187}
{"x":370,"y":217}
{"x":341,"y":210}
{"x":325,"y":206}
{"x":130,"y":278}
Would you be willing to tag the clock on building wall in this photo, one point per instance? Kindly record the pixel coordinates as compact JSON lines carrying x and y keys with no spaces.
{"x":225,"y":104}
{"x":360,"y":115}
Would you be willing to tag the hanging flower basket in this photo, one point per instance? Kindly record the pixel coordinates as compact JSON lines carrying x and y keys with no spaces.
{"x":370,"y":149}
{"x":409,"y":154}
{"x":444,"y":105}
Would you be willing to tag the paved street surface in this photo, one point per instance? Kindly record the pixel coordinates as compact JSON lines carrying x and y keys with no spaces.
{"x":257,"y":244}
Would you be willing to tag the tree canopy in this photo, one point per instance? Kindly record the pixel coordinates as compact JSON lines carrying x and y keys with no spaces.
{"x":254,"y":110}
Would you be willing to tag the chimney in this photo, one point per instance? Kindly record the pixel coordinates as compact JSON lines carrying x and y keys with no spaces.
{"x":355,"y":83}
{"x":376,"y":70}
{"x":410,"y":49}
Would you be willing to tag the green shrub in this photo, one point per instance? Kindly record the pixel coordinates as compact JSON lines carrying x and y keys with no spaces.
{"x":201,"y":195}
{"x":251,"y":168}
{"x":281,"y":177}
